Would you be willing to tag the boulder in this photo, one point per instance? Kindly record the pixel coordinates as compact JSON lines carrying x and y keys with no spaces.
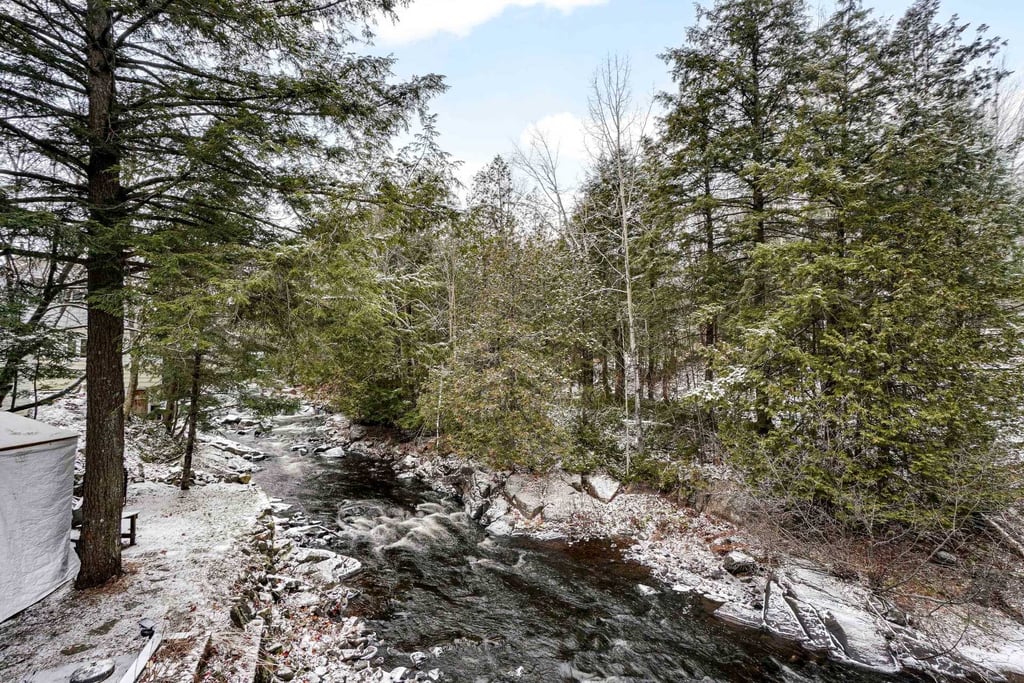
{"x":499,"y":527}
{"x":332,"y":571}
{"x":601,"y":486}
{"x":526,"y":494}
{"x":336,"y":452}
{"x":497,"y":509}
{"x":779,"y":616}
{"x":843,"y":608}
{"x":737,"y":563}
{"x":573,"y":480}
{"x":946,"y":559}
{"x":303,"y":555}
{"x":563,"y":503}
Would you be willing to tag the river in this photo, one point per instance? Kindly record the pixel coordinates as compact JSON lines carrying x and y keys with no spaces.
{"x":481,"y":608}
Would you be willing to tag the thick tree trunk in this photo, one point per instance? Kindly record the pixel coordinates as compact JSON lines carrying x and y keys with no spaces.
{"x":100,"y":547}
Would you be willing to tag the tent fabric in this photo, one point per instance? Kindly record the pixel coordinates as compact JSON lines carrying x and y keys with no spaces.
{"x":37,"y":470}
{"x":17,"y":431}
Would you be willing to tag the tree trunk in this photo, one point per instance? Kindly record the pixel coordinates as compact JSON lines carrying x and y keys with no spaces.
{"x":605,"y":381}
{"x":133,"y":382}
{"x":100,"y":546}
{"x":104,"y":442}
{"x":193,"y":415}
{"x":620,"y":369}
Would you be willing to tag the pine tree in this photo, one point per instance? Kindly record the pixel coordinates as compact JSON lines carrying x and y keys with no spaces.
{"x":738,"y":75}
{"x":127,"y":118}
{"x":496,"y":396}
{"x":884,"y":355}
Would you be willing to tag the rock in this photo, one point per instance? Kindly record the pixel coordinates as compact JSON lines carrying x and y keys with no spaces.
{"x":241,"y":614}
{"x":336,"y":452}
{"x":332,"y":571}
{"x":285,"y":674}
{"x":852,"y":629}
{"x":573,"y":480}
{"x":244,"y":478}
{"x":816,"y":637}
{"x":946,"y":559}
{"x":525,"y":493}
{"x":398,"y":673}
{"x":482,"y":484}
{"x":303,"y":555}
{"x":562,"y":502}
{"x":497,"y":509}
{"x":417,"y":658}
{"x":303,"y":599}
{"x":739,"y":615}
{"x":779,"y":617}
{"x":737,"y":563}
{"x":476,"y":510}
{"x":499,"y":527}
{"x":646,"y":590}
{"x":601,"y":486}
{"x":233,"y":447}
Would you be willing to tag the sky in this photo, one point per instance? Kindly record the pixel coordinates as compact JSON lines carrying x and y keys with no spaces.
{"x":511,"y":65}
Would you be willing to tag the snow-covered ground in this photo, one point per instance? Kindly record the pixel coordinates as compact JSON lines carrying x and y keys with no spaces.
{"x":180,"y":573}
{"x":191,"y":550}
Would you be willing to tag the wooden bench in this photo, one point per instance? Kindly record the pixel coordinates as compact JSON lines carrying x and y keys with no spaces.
{"x":131,"y":515}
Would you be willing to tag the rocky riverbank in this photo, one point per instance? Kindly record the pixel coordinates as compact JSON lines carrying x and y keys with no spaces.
{"x":297,"y":600}
{"x":245,"y":588}
{"x":745,"y":581}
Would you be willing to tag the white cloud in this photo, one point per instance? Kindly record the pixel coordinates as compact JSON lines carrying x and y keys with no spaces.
{"x":564,"y":133}
{"x":425,"y":18}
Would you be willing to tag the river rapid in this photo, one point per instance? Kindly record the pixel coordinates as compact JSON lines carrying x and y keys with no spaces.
{"x":443,"y":594}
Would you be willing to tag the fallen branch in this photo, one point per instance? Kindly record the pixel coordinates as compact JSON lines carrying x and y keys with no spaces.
{"x":52,"y":397}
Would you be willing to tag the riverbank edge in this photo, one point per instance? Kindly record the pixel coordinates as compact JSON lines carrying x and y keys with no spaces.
{"x":723,"y":563}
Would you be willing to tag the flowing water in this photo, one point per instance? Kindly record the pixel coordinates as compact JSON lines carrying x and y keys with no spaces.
{"x":515,"y":609}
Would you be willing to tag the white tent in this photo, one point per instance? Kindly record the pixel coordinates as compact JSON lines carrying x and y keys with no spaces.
{"x":37,"y":471}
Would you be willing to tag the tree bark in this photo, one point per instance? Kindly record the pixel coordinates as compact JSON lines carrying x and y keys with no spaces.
{"x":100,"y":546}
{"x":193,"y":415}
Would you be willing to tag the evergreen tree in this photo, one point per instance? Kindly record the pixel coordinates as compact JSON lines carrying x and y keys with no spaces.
{"x":498,"y":393}
{"x":727,"y":141}
{"x":124,"y":118}
{"x":884,"y":356}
